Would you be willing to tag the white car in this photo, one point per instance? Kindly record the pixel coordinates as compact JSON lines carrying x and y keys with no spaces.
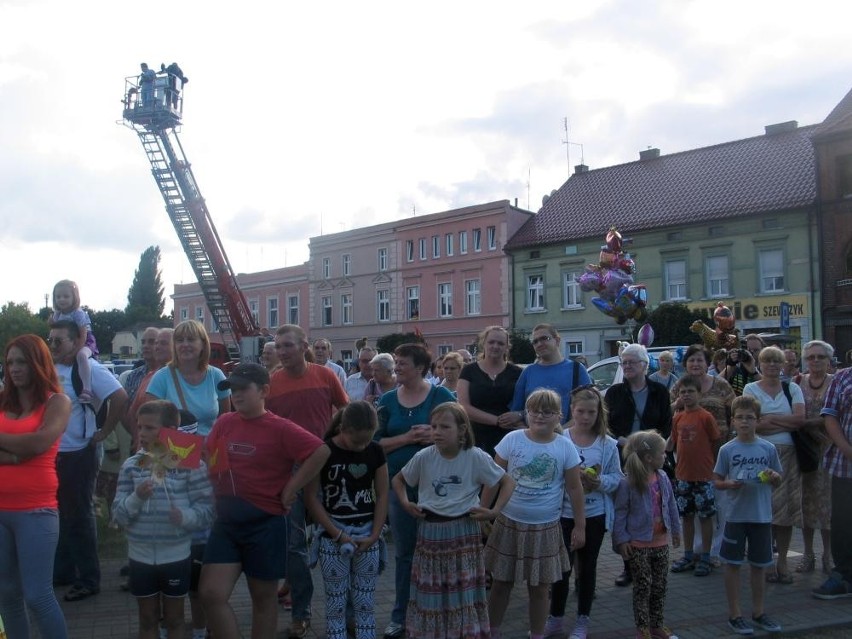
{"x":608,"y":371}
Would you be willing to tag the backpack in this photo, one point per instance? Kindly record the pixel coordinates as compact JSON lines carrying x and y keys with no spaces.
{"x":77,"y":385}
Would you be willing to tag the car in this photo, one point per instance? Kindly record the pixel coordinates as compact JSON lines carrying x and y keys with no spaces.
{"x":110,"y":367}
{"x":607,"y":371}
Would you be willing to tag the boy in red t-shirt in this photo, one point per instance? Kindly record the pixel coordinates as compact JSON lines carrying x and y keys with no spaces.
{"x":252,"y":456}
{"x":696,"y":439}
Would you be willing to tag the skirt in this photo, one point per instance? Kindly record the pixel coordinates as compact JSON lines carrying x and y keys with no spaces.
{"x":787,"y":497}
{"x":448,"y":596}
{"x":534,"y":553}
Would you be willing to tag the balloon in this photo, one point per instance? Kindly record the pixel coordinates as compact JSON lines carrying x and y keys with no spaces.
{"x":613,"y":240}
{"x":626,"y":264}
{"x":607,"y":259}
{"x":724,"y":318}
{"x":612,"y":282}
{"x":646,"y":335}
{"x":639,"y":294}
{"x":590,"y":281}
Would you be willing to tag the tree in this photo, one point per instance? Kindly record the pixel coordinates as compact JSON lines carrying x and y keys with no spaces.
{"x":17,"y":319}
{"x":671,"y":324}
{"x":145,"y":301}
{"x":521,"y":350}
{"x":387,"y":343}
{"x":105,"y":324}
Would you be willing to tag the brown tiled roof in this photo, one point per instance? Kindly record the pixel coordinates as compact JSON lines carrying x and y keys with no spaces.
{"x":734,"y":179}
{"x":838,"y":120}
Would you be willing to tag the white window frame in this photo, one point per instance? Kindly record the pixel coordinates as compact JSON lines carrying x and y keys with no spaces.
{"x":477,"y":240}
{"x":463,"y":242}
{"x":771,"y":275}
{"x":573,"y":348}
{"x":412,"y":296}
{"x":382,"y":257}
{"x":346,"y":263}
{"x":473,"y":297}
{"x":448,"y":244}
{"x":572,"y":295}
{"x":272,"y":311}
{"x":675,"y":284}
{"x":326,"y":268}
{"x":293,"y":309}
{"x":535,"y":292}
{"x":445,"y":299}
{"x":491,"y":232}
{"x":346,"y":309}
{"x":421,"y":246}
{"x":254,"y":309}
{"x":326,"y":311}
{"x":409,"y":250}
{"x":383,"y":305}
{"x":199,"y":314}
{"x":436,"y":247}
{"x":718,"y":282}
{"x":184,"y":313}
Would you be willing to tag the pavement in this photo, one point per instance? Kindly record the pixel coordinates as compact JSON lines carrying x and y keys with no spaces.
{"x":695,"y":606}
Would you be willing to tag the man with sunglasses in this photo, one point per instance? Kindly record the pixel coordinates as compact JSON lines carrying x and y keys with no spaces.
{"x":77,"y":463}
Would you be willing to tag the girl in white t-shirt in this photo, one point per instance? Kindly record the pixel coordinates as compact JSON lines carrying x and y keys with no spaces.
{"x":526,"y":542}
{"x":455,"y":482}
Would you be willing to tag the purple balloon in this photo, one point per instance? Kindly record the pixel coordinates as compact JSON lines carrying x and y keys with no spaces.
{"x":590,"y":281}
{"x":646,"y":335}
{"x":613,"y":280}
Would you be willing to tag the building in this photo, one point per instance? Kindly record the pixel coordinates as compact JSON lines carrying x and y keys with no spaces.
{"x":735,"y":222}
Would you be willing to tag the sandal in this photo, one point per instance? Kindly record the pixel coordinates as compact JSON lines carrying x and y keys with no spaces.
{"x":779,"y":578}
{"x":702,"y":568}
{"x":807,"y":563}
{"x":683,"y":564}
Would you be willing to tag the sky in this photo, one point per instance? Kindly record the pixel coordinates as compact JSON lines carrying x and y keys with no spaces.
{"x":308,"y":118}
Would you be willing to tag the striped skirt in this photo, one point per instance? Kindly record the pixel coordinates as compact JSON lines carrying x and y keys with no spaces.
{"x":534,"y":553}
{"x":448,"y":597}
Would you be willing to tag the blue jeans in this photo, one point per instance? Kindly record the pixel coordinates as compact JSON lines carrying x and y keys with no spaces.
{"x":77,"y":552}
{"x":27,"y":546}
{"x":298,"y":572}
{"x":404,"y":531}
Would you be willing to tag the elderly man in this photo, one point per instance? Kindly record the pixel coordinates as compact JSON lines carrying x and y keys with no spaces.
{"x":322,"y":354}
{"x":268,"y":357}
{"x":77,"y":562}
{"x":307,"y":394}
{"x":467,"y":358}
{"x":357,"y":383}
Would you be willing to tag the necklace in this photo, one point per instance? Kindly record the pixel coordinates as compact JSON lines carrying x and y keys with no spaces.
{"x":821,"y":384}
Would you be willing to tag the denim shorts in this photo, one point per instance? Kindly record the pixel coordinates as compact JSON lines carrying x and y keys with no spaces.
{"x":758,"y":537}
{"x":170,"y":580}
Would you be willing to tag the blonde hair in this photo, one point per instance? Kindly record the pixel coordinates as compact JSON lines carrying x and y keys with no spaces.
{"x":483,"y":336}
{"x":545,"y":399}
{"x":586,"y":394}
{"x":456,"y":357}
{"x":193,"y":330}
{"x":639,"y":447}
{"x":771,"y":354}
{"x":75,"y":293}
{"x":460,"y":417}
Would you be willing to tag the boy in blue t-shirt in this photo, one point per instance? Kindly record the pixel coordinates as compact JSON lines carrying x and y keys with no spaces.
{"x":748,"y":467}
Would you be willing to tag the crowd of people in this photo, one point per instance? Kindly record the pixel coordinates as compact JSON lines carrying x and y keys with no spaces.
{"x":486,"y":473}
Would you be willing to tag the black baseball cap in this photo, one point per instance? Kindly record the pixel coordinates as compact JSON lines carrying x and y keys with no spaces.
{"x":244,"y":375}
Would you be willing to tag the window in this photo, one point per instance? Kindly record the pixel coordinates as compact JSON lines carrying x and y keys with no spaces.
{"x":535,"y":292}
{"x":254,"y":309}
{"x":844,"y":176}
{"x":199,"y":314}
{"x":346,"y":309}
{"x":346,"y":260}
{"x":409,"y":250}
{"x":326,"y":268}
{"x":383,"y":259}
{"x":383,"y":305}
{"x":422,"y":247}
{"x":445,"y":299}
{"x":443,"y":349}
{"x":717,"y":276}
{"x":327,"y":310}
{"x":573,"y":348}
{"x":771,"y":271}
{"x":449,"y":244}
{"x":477,"y":240}
{"x":473,"y":298}
{"x":272,"y":311}
{"x":413,"y":295}
{"x":436,"y":246}
{"x":492,"y":237}
{"x":293,"y":309}
{"x":675,"y":279}
{"x":184,"y":314}
{"x":463,"y":242}
{"x":571,"y":291}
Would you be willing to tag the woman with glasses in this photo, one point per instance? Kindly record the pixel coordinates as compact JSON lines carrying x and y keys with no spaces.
{"x":816,"y":486}
{"x":486,"y":387}
{"x":551,"y":370}
{"x":637,"y":403}
{"x":33,"y":415}
{"x":451,"y":367}
{"x":782,"y":410}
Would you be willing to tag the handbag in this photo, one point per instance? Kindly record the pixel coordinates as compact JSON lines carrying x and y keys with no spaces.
{"x":188,"y":421}
{"x":805,"y":442}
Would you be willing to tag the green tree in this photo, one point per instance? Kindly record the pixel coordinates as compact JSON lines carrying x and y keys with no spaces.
{"x":671,"y":324}
{"x":17,"y":319}
{"x":105,"y":324}
{"x":521,"y":350}
{"x":145,"y":301}
{"x":387,"y":343}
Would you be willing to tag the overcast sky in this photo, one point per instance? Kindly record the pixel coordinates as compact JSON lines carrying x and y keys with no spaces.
{"x":310,"y":118}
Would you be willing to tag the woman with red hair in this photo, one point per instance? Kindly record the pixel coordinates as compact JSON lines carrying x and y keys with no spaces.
{"x":33,"y":416}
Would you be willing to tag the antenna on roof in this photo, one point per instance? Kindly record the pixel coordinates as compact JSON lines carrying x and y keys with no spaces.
{"x":568,"y":144}
{"x":529,"y":177}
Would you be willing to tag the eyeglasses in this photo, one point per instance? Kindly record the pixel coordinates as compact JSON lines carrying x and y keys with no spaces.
{"x":543,"y":338}
{"x":813,"y":357}
{"x":54,"y":341}
{"x":542,"y":414}
{"x":631,"y":362}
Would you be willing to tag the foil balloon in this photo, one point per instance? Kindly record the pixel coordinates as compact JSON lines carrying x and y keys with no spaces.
{"x":627,"y":264}
{"x":590,"y":281}
{"x":613,"y":240}
{"x":607,"y":259}
{"x":645,"y":335}
{"x":613,"y":281}
{"x":724,"y":318}
{"x":639,"y":294}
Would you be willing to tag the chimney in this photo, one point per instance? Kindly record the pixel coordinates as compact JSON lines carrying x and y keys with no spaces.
{"x":580,"y":168}
{"x":781,"y":127}
{"x":649,"y":154}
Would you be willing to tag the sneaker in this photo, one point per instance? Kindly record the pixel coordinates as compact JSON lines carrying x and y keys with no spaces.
{"x":767,"y":623}
{"x":76,"y":593}
{"x":299,"y":628}
{"x":394,"y":630}
{"x":554,"y":627}
{"x":835,"y":587}
{"x":624,"y":579}
{"x":663,"y":633}
{"x":739,"y":626}
{"x":581,"y":628}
